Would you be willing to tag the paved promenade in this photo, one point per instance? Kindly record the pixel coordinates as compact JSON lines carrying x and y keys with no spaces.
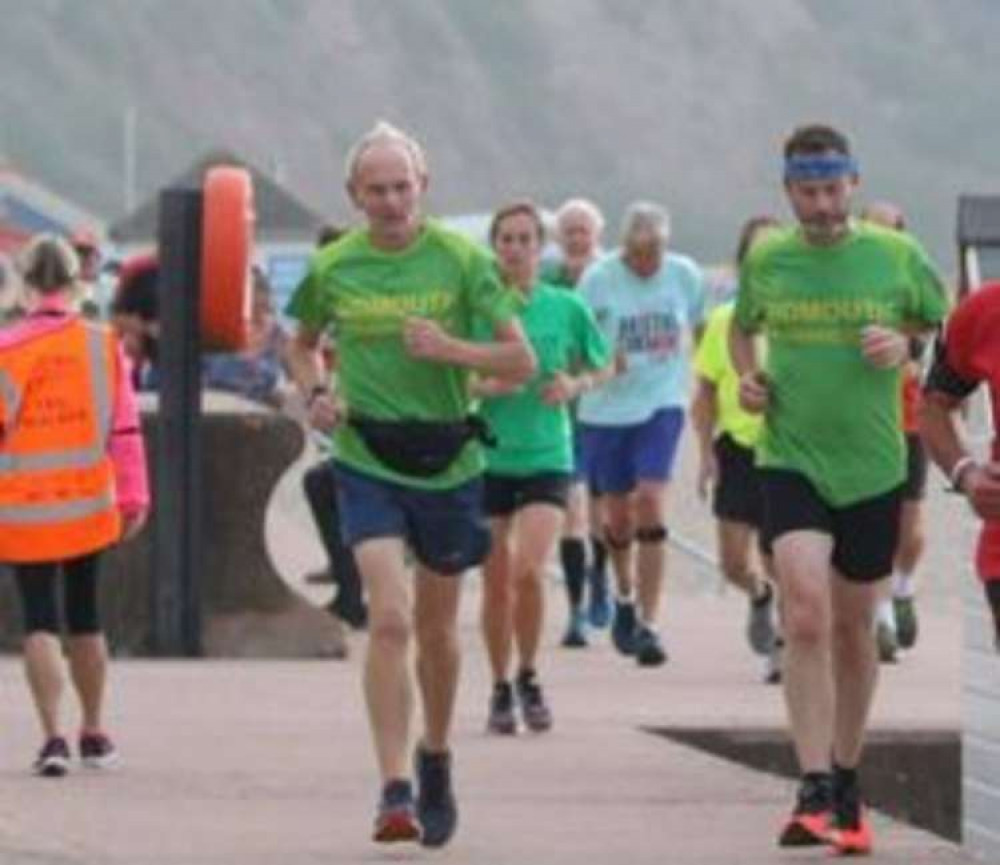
{"x":269,"y":763}
{"x":261,"y":763}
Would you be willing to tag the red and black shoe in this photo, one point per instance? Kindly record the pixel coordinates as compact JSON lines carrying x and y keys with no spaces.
{"x":810,"y":823}
{"x":396,"y":819}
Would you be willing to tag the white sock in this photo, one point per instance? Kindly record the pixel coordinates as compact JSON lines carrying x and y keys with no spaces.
{"x":902,"y":585}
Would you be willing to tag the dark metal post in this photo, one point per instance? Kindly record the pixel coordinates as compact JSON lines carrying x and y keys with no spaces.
{"x":177,"y":549}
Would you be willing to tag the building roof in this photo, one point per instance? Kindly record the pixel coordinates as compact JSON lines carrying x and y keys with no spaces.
{"x":279,"y":214}
{"x":28,"y":207}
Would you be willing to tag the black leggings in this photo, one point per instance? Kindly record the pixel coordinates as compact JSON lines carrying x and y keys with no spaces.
{"x":36,"y":584}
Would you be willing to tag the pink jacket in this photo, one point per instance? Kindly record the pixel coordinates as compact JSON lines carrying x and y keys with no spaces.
{"x":125,"y":444}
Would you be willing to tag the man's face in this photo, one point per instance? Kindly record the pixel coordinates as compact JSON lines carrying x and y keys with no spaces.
{"x":388,"y":190}
{"x":822,"y":207}
{"x":518,"y":248}
{"x":578,"y":237}
{"x":644,"y":254}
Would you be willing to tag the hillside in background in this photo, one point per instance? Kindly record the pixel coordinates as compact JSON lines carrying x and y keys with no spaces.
{"x":683,"y":101}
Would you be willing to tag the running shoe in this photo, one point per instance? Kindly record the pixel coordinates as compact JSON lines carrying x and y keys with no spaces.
{"x":396,"y":819}
{"x":437,"y":810}
{"x":809,"y":825}
{"x":600,"y":609}
{"x":501,"y":719}
{"x":97,"y":751}
{"x":906,"y":622}
{"x":576,"y":632}
{"x":53,"y":759}
{"x":623,"y":627}
{"x":888,"y":646}
{"x":851,"y":833}
{"x":534,"y":710}
{"x":760,"y":623}
{"x":649,"y":651}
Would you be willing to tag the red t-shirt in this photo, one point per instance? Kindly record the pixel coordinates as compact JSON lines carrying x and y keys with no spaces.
{"x":972,"y":350}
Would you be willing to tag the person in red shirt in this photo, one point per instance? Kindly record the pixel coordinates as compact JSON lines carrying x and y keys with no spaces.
{"x":968,"y":355}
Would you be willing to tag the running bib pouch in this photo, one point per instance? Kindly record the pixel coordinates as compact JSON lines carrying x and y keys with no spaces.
{"x":420,"y":448}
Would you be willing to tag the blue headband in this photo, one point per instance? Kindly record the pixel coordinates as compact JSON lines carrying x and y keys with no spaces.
{"x":819,"y":167}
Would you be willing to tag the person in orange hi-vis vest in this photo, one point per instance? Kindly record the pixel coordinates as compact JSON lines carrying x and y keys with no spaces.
{"x":73,"y":482}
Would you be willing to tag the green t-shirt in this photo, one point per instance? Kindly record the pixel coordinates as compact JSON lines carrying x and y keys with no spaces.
{"x":712,"y":362}
{"x":553,"y":272}
{"x":367,"y":294}
{"x":533,"y":437}
{"x":834,"y":417}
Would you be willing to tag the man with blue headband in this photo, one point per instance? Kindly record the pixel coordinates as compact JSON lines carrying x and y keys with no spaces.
{"x":837,"y":301}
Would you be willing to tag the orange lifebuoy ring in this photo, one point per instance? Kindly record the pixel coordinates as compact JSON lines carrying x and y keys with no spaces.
{"x":226,"y":248}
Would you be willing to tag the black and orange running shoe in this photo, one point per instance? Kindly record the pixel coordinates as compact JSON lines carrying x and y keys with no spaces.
{"x":810,"y":823}
{"x":851,"y":832}
{"x":396,"y":819}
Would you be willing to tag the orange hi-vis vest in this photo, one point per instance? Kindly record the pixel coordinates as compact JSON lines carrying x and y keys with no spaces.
{"x":57,"y":482}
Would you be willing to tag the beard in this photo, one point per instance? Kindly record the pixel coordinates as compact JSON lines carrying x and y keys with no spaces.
{"x":825,"y":229}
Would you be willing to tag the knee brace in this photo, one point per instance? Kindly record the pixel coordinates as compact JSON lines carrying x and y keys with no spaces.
{"x":657,"y":534}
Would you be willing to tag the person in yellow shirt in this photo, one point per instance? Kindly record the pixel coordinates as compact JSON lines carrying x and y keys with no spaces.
{"x":726,"y":436}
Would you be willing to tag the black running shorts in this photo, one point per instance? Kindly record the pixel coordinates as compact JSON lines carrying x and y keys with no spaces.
{"x":737,"y":496}
{"x":865,"y":534}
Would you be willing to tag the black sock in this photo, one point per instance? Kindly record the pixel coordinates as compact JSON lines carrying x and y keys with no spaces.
{"x":573,"y":554}
{"x":600,"y":552}
{"x":815,"y":792}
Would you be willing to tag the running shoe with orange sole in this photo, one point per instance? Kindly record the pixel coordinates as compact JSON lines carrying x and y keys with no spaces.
{"x":853,"y":842}
{"x":811,"y":821}
{"x":396,"y":819}
{"x":806,"y":830}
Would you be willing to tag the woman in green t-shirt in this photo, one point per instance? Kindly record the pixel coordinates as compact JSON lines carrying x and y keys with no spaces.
{"x":528,"y":472}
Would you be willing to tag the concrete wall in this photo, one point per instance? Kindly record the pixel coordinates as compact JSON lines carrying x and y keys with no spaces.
{"x":248,"y":608}
{"x":981,"y":745}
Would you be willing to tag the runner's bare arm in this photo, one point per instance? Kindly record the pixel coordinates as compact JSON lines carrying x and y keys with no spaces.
{"x":704,"y":413}
{"x":509,"y":356}
{"x":306,"y":364}
{"x":754,"y":389}
{"x":941,"y":428}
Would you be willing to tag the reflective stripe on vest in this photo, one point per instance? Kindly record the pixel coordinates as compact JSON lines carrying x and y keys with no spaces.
{"x":70,"y":458}
{"x":26,"y":515}
{"x":10,"y":395}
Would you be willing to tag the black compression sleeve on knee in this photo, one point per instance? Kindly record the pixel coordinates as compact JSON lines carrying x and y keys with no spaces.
{"x":573,"y":555}
{"x":652,"y":534}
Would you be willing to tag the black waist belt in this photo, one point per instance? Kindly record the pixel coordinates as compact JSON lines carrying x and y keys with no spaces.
{"x":417,"y":447}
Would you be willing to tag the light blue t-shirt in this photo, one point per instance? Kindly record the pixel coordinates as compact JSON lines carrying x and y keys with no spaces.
{"x":645,"y":319}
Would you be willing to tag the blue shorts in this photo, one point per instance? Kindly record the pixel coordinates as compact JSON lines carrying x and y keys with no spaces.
{"x":579,"y":473}
{"x":445,"y":529}
{"x":618,"y":457}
